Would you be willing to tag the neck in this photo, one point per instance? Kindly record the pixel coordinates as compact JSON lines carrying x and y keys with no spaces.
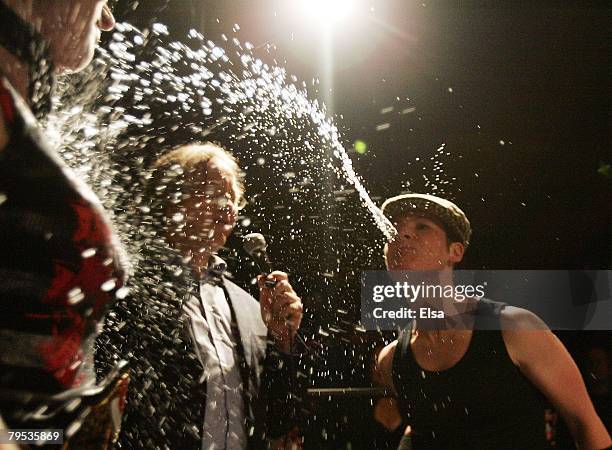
{"x":15,"y":70}
{"x":25,"y":53}
{"x":456,"y":314}
{"x":436,"y":336}
{"x":443,"y":332}
{"x":199,"y":262}
{"x":446,"y":276}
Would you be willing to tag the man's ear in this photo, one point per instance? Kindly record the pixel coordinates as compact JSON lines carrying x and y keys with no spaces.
{"x":456,"y":250}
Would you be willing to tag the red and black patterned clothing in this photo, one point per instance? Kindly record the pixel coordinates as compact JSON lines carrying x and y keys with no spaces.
{"x":59,"y":265}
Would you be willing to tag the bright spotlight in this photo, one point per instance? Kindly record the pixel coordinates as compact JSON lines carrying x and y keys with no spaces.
{"x":328,"y":11}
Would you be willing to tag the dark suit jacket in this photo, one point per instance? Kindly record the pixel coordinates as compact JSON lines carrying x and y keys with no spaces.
{"x":166,"y":400}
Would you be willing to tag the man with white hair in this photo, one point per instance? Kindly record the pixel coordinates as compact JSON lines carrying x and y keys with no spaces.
{"x":211,"y":365}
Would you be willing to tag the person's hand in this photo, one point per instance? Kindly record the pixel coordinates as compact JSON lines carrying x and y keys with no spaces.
{"x":281,"y":308}
{"x":386,"y":412}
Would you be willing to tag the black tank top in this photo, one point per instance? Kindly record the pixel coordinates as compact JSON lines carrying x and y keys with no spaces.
{"x":483,"y":402}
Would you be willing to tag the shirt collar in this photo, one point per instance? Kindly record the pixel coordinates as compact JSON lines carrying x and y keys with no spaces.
{"x":215,"y":271}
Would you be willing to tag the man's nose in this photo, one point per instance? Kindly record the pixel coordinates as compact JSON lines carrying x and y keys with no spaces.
{"x":409,"y":234}
{"x":106,"y":22}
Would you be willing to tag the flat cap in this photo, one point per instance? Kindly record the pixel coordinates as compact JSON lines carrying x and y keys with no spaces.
{"x":449,"y":215}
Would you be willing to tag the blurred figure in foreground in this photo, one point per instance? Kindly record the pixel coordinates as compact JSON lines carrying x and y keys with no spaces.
{"x":59,"y":260}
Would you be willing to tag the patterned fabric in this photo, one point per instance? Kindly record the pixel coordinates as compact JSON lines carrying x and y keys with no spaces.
{"x":100,"y":428}
{"x":60,"y":270}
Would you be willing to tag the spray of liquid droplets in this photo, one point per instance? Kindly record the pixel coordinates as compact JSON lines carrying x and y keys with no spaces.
{"x":159,"y":94}
{"x":197,"y":87}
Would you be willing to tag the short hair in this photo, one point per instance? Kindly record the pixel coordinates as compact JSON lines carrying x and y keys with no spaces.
{"x":170,"y":169}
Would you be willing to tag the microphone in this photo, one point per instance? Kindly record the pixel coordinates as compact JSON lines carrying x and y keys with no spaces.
{"x":255,"y":245}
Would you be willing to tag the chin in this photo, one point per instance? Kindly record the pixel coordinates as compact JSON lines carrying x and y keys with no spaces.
{"x":66,"y":69}
{"x":214,"y":245}
{"x":398,"y":268}
{"x":74,"y":60}
{"x":403,"y":265}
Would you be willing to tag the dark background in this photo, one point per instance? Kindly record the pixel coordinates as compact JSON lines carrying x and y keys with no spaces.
{"x":535,"y":75}
{"x":519,"y":93}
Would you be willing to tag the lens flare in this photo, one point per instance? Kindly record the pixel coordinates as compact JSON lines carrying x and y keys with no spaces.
{"x":328,"y":12}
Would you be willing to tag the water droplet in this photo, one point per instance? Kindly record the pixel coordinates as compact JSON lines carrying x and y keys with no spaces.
{"x":75,"y":296}
{"x":122,"y":292}
{"x":108,"y":285}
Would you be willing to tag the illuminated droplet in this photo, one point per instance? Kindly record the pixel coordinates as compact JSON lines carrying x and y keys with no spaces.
{"x":108,"y":285}
{"x":88,"y":253}
{"x":75,"y":295}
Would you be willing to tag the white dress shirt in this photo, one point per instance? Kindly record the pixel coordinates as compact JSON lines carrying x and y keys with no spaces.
{"x":211,"y":333}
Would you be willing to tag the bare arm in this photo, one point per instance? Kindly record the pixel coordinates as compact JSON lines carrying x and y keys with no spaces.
{"x":543,"y":359}
{"x":384,"y":365}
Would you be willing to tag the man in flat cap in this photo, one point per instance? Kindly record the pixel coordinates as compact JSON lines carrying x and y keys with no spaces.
{"x":479,"y":378}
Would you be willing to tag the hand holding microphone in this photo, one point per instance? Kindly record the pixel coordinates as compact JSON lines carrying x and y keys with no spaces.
{"x":281,"y":308}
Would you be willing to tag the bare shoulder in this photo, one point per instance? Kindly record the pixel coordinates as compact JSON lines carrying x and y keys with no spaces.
{"x":386,"y":354}
{"x":524,"y":334}
{"x":516,"y":319}
{"x":384,"y":364}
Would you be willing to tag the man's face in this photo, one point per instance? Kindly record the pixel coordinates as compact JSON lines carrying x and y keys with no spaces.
{"x":205,"y":217}
{"x":72,"y":28}
{"x":420,"y":244}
